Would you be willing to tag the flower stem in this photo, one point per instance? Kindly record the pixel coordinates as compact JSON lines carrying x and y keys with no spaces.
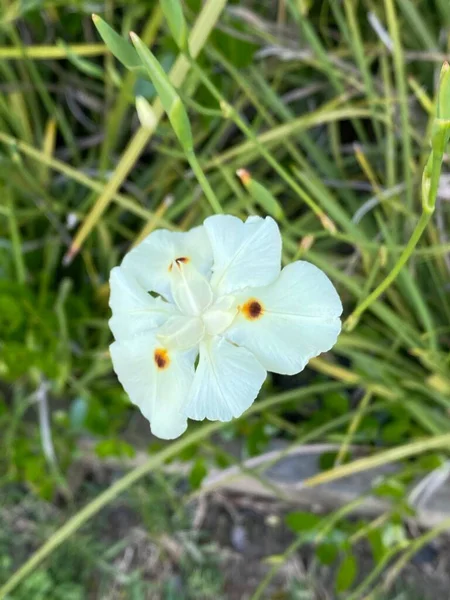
{"x":430,"y":185}
{"x":230,"y":112}
{"x":203,"y":181}
{"x":353,"y":319}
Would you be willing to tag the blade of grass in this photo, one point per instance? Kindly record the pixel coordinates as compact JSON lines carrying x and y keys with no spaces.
{"x":402,"y":90}
{"x":203,"y":26}
{"x":52,"y":52}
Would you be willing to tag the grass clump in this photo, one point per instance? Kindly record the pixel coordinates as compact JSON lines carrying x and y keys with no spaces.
{"x":337,"y":114}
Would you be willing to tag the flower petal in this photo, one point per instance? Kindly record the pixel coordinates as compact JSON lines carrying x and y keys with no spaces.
{"x":245,"y":254}
{"x":290,"y":321}
{"x":151,"y":260}
{"x":226,"y":382}
{"x":156,"y":381}
{"x":134,"y":310}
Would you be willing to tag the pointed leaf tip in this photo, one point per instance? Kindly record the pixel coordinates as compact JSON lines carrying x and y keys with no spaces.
{"x":119,"y":46}
{"x":244,"y":176}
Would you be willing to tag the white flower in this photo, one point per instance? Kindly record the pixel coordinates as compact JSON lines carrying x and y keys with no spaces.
{"x":217,"y":293}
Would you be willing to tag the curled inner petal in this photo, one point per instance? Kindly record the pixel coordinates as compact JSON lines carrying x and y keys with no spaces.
{"x":181,"y":332}
{"x":220,"y":315}
{"x":190,"y":290}
{"x":161,"y":358}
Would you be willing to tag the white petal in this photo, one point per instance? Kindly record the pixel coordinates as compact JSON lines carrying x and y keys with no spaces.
{"x":158,"y":392}
{"x":151,"y":260}
{"x":134,"y":310}
{"x":245,"y":254}
{"x":299,"y":319}
{"x":226,"y":382}
{"x":181,"y":333}
{"x":190,"y":289}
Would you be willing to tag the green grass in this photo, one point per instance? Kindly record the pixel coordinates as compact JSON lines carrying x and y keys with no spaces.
{"x":337,"y":128}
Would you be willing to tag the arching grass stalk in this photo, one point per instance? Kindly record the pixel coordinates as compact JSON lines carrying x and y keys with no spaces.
{"x":430,"y":184}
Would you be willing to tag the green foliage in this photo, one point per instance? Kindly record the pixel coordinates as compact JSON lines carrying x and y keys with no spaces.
{"x":346,"y":574}
{"x":121,"y":49}
{"x":335,"y":131}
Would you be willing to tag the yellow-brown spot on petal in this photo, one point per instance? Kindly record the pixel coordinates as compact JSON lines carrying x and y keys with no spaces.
{"x":179,"y":260}
{"x":161,"y":358}
{"x":252,"y":309}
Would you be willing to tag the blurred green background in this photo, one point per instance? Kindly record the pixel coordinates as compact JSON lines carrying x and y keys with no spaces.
{"x":333,"y":111}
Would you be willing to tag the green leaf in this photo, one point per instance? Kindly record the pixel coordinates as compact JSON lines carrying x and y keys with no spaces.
{"x":429,"y":462}
{"x":327,"y":460}
{"x":114,"y":448}
{"x":300,"y":521}
{"x":336,"y":403}
{"x":261,"y":194}
{"x":169,"y":98}
{"x":120,"y":48}
{"x":390,"y":488}
{"x":346,"y":573}
{"x":198,"y":473}
{"x":443,"y":104}
{"x":82,"y":64}
{"x":238,"y":51}
{"x":327,"y":553}
{"x":393,"y":534}
{"x":181,"y":125}
{"x":154,"y":70}
{"x":377,"y":546}
{"x":11,"y":315}
{"x":173,"y":11}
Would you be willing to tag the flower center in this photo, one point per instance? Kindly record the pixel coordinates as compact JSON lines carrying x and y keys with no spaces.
{"x":199,"y":314}
{"x":220,"y":315}
{"x":190,"y":290}
{"x":179,"y":260}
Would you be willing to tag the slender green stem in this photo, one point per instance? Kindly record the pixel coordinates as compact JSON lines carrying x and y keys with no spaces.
{"x":76,"y":175}
{"x":204,"y":24}
{"x":383,"y":458}
{"x":399,"y":65}
{"x":413,"y":549}
{"x":15,"y":238}
{"x":353,"y":319}
{"x":328,"y":524}
{"x":229,"y":112}
{"x":384,"y":561}
{"x":430,"y":185}
{"x":52,"y":52}
{"x":353,"y":427}
{"x":203,"y":181}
